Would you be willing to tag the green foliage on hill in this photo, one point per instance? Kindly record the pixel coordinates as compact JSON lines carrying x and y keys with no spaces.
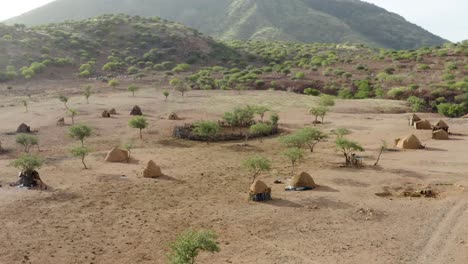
{"x":331,"y":21}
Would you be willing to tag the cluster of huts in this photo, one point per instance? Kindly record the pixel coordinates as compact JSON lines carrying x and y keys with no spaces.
{"x":440,"y":131}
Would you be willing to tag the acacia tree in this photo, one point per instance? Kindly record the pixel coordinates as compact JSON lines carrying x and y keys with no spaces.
{"x":166,"y":94}
{"x":341,"y":132}
{"x":187,"y":245}
{"x":133,"y":89}
{"x":295,"y":155}
{"x":64,"y":99}
{"x":87,"y":93}
{"x":305,"y":137}
{"x":256,"y":165}
{"x":348,"y":147}
{"x":80,"y":152}
{"x":27,"y":141}
{"x":179,"y":85}
{"x":207,"y":129}
{"x":319,"y":111}
{"x":72,"y":112}
{"x":80,"y":132}
{"x":138,"y":122}
{"x":29,"y":177}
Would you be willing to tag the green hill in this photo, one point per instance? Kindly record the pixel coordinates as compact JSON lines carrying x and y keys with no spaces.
{"x":307,"y":21}
{"x":110,"y":44}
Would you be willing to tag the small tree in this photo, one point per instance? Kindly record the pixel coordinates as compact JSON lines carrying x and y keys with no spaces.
{"x":28,"y":162}
{"x":256,"y":164}
{"x":25,"y":104}
{"x":179,"y":85}
{"x":80,"y":132}
{"x":187,"y":245}
{"x":274,"y":119}
{"x":383,"y":147}
{"x":64,"y":99}
{"x":295,"y":155}
{"x":129,"y":146}
{"x":348,"y":147}
{"x":114,"y":83}
{"x":341,"y":132}
{"x":306,"y":136}
{"x":27,"y":141}
{"x":166,"y":94}
{"x":207,"y":129}
{"x":317,"y":112}
{"x":80,"y":152}
{"x":133,"y":89}
{"x":87,"y":93}
{"x":138,"y":122}
{"x":72,"y":112}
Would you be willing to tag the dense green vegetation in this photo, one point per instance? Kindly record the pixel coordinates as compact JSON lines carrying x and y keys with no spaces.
{"x":332,"y":21}
{"x":429,"y":78}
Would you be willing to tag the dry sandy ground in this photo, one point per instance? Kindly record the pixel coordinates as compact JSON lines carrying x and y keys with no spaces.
{"x":109,"y":214}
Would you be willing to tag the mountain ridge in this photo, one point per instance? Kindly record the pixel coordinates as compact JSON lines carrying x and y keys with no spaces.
{"x":295,"y":20}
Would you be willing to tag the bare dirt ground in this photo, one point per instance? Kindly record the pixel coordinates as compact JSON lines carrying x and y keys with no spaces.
{"x":110,"y":214}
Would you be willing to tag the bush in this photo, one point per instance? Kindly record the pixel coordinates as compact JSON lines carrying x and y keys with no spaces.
{"x":417,"y":104}
{"x":206,"y":129}
{"x":300,"y":75}
{"x":312,"y":91}
{"x":326,"y":100}
{"x":451,"y":110}
{"x":181,"y":68}
{"x":186,"y":247}
{"x":132,"y":70}
{"x":240,"y":117}
{"x":397,"y":92}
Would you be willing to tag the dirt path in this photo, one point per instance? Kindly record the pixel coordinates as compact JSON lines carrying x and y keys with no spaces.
{"x":447,"y":235}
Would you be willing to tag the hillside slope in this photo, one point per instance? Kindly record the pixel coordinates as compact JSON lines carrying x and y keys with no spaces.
{"x":294,"y":20}
{"x":106,"y":44}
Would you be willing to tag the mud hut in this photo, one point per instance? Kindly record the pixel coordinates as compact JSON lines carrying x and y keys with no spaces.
{"x":302,"y":182}
{"x":440,"y":135}
{"x":409,"y":142}
{"x":61,"y":121}
{"x":30,"y":179}
{"x":441,"y":125}
{"x":136,"y":111}
{"x":413,"y":119}
{"x":172,"y":116}
{"x":23,"y":128}
{"x":105,"y":114}
{"x":152,"y":170}
{"x":423,"y":125}
{"x":259,"y":191}
{"x":117,"y":155}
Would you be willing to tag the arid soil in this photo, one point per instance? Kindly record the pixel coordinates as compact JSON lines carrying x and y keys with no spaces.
{"x":110,"y":214}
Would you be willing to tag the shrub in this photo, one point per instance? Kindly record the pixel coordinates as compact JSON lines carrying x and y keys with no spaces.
{"x":240,"y":117}
{"x":326,"y":100}
{"x":114,"y":83}
{"x":181,"y":68}
{"x":132,"y":70}
{"x":417,"y":104}
{"x":186,"y":247}
{"x":451,"y":110}
{"x":300,"y":75}
{"x":207,"y":129}
{"x":312,"y":91}
{"x":397,"y":92}
{"x":345,"y":94}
